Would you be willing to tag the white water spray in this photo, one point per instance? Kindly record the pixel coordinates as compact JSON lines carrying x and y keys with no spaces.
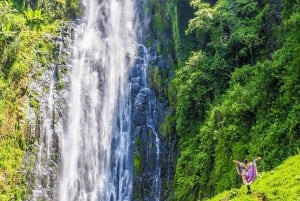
{"x":44,"y":148}
{"x":99,"y":109}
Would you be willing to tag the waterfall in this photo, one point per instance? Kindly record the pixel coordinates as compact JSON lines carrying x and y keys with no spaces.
{"x":46,"y":126}
{"x":86,"y":132}
{"x":44,"y":165}
{"x":95,"y":146}
{"x":147,"y":125}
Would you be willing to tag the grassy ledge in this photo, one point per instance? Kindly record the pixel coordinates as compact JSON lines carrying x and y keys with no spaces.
{"x":282,"y":183}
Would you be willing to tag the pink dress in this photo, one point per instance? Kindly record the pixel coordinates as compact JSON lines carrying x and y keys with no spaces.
{"x":248,"y":172}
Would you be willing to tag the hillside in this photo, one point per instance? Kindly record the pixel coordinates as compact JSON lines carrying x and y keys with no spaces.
{"x":237,"y":95}
{"x":226,"y":78}
{"x":282,"y":183}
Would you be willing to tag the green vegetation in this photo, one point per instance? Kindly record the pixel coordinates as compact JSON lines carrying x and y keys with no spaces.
{"x":237,"y":93}
{"x":137,"y":164}
{"x":235,"y":90}
{"x":234,"y":95}
{"x":282,"y":183}
{"x":27,"y":29}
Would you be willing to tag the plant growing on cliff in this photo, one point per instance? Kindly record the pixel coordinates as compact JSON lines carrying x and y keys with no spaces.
{"x":34,"y":18}
{"x":22,"y":47}
{"x":233,"y":99}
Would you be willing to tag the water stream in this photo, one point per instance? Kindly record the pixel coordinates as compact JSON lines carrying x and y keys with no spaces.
{"x":98,"y":120}
{"x":93,"y":130}
{"x":146,"y":123}
{"x":45,"y":165}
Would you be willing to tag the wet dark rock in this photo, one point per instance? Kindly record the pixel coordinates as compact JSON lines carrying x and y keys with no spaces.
{"x":155,"y":153}
{"x":42,"y":159}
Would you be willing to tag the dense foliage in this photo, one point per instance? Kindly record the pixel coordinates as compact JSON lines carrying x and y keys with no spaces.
{"x":235,"y":91}
{"x":27,"y":32}
{"x":238,"y":93}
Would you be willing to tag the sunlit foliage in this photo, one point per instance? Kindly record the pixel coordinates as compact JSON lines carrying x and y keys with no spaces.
{"x":26,"y":32}
{"x":237,"y":94}
{"x":282,"y":183}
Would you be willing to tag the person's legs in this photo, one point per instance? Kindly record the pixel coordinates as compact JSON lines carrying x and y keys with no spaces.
{"x":249,"y":190}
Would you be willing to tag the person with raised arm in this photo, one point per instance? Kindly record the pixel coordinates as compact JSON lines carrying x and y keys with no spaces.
{"x":248,"y":171}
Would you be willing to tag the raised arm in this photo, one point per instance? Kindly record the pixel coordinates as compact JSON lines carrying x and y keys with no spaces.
{"x":257,"y":158}
{"x":238,"y":166}
{"x":236,"y":162}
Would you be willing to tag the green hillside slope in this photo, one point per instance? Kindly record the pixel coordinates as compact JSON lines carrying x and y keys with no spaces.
{"x":282,"y":183}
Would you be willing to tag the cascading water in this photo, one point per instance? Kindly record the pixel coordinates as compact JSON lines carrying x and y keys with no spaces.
{"x":94,"y":130}
{"x":95,"y":146}
{"x":47,"y":126}
{"x":45,"y":163}
{"x":146,"y":120}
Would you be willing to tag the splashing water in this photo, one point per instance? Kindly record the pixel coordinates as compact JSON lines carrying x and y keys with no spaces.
{"x":98,"y":119}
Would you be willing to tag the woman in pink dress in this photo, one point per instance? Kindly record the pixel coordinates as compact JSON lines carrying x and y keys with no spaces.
{"x":248,"y":171}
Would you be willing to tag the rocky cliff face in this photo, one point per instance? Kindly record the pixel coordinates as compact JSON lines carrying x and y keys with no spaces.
{"x":47,"y":101}
{"x":154,"y":152}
